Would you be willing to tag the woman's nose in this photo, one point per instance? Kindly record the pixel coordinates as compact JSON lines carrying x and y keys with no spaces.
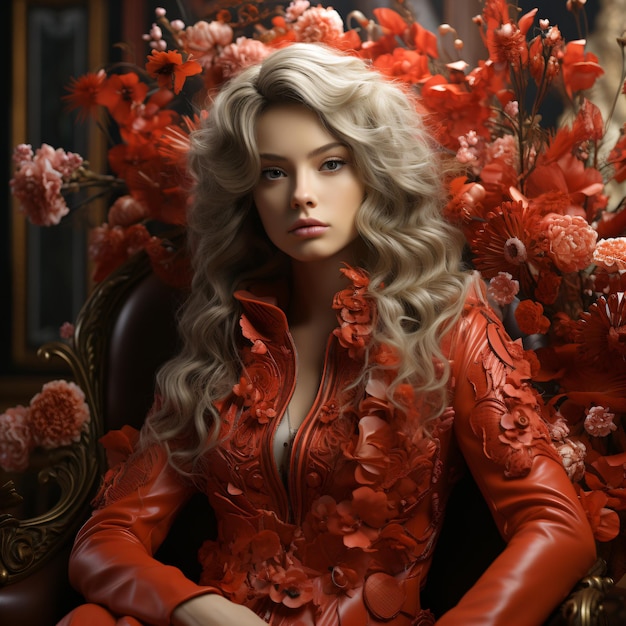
{"x":303,"y":194}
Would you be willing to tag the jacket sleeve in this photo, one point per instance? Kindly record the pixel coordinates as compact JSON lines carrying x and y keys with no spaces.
{"x":507,"y":448}
{"x":111,"y":562}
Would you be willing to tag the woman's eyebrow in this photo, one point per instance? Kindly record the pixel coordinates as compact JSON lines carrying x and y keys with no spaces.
{"x":329,"y":146}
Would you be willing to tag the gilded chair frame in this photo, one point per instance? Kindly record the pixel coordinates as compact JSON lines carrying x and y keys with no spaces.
{"x":27,"y":544}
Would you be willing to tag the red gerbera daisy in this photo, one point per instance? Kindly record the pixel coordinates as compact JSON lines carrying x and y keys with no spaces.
{"x":602,"y":332}
{"x":505,"y":244}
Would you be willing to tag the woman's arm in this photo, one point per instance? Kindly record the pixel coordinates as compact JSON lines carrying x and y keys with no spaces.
{"x":112,"y":563}
{"x":550,"y":545}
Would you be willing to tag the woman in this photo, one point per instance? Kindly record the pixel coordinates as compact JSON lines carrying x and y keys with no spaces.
{"x":339,"y":371}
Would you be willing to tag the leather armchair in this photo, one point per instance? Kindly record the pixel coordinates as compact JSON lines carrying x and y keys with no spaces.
{"x":125,"y":330}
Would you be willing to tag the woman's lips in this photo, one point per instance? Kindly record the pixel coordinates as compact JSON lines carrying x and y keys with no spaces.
{"x":308,"y":228}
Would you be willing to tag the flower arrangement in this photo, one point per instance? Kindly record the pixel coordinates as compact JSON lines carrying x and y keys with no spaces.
{"x":55,"y":417}
{"x":541,"y":208}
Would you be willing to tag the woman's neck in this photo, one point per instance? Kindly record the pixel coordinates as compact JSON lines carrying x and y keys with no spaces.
{"x":312,"y":290}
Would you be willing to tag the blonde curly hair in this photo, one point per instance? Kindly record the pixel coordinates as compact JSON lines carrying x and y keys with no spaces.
{"x":415,"y":256}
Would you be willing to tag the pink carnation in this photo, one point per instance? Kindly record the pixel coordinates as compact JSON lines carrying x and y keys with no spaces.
{"x":15,"y":439}
{"x":39,"y":179}
{"x":204,"y":39}
{"x":296,"y":9}
{"x":67,"y":330}
{"x":599,"y":422}
{"x":58,"y":414}
{"x":319,"y":24}
{"x":571,"y":241}
{"x":502,"y":288}
{"x":610,"y":254}
{"x":241,"y":54}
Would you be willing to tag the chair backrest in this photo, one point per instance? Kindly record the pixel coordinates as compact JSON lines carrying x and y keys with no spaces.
{"x":124,"y":331}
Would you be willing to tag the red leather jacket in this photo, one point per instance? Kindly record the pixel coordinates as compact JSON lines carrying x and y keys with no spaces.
{"x":349,"y":538}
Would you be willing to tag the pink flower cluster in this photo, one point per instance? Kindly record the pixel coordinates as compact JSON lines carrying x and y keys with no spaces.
{"x":55,"y":417}
{"x":39,"y":179}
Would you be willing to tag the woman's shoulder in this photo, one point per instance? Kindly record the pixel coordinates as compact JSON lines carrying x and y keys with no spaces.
{"x":480,"y":326}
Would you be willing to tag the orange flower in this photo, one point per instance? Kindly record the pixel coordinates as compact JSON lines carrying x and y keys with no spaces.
{"x":58,"y":414}
{"x":530,"y":318}
{"x":170,"y":70}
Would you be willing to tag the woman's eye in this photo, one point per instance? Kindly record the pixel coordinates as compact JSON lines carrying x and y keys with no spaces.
{"x":333,"y":165}
{"x":272,"y":173}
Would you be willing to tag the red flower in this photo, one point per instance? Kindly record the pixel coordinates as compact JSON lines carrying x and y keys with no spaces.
{"x":291,"y":587}
{"x":110,"y":247}
{"x":83,"y":93}
{"x":407,"y":65}
{"x":602,"y":331}
{"x":170,"y":70}
{"x":120,"y":94}
{"x":505,"y":243}
{"x":530,"y":318}
{"x":119,"y":444}
{"x":604,"y":522}
{"x":580,"y":68}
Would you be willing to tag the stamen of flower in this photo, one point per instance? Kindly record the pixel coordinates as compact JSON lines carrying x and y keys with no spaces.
{"x":515,"y":251}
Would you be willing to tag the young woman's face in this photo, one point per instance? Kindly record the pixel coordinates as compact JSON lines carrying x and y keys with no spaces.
{"x":309,"y":192}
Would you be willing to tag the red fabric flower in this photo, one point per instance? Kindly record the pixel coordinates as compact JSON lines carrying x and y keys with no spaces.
{"x":355,"y":313}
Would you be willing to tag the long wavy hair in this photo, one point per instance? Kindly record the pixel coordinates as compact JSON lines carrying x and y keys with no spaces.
{"x":414,"y":261}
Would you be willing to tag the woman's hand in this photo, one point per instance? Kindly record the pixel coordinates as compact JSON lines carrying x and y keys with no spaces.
{"x":212,"y":609}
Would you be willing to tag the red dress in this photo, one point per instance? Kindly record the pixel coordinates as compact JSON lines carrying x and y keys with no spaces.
{"x":348,"y":538}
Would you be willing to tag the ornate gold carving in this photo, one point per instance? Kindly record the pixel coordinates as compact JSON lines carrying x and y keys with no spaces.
{"x":584,"y":605}
{"x":27,"y":544}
